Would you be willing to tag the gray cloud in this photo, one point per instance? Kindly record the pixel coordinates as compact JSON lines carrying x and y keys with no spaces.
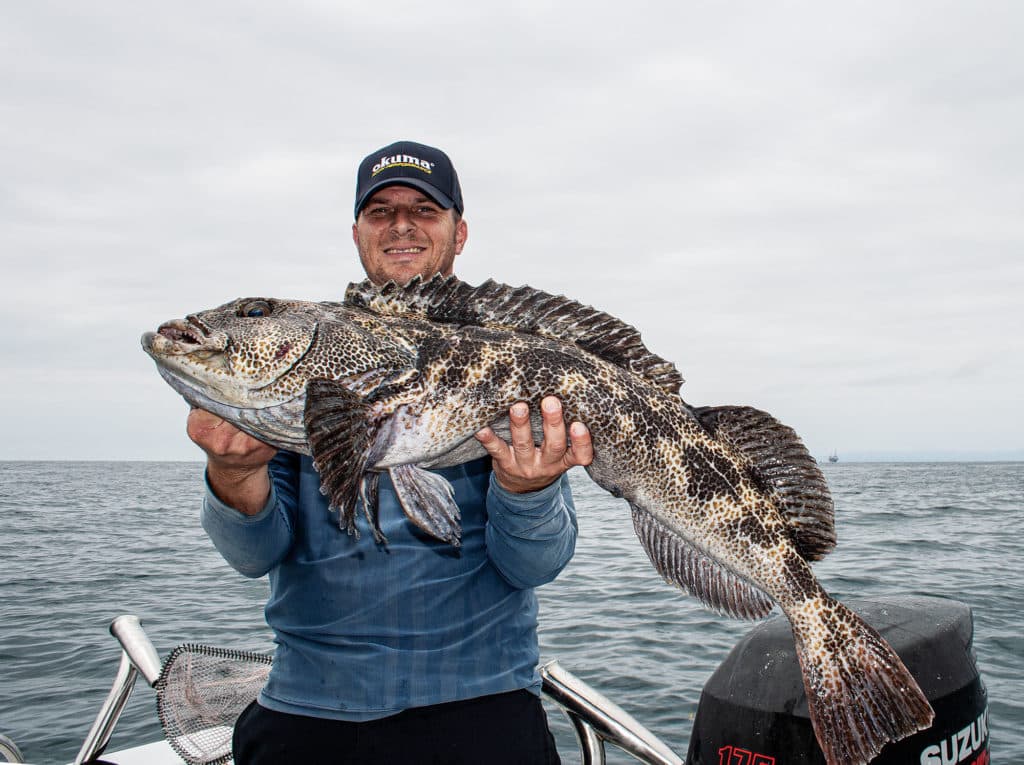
{"x":810,"y":207}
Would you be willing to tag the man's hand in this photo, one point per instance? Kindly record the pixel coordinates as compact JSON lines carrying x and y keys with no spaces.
{"x":523,"y":466}
{"x":236,"y":463}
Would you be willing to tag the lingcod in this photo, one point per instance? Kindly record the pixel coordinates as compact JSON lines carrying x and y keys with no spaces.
{"x":726,"y":501}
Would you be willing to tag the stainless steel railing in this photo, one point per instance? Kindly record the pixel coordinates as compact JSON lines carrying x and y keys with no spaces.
{"x":138,"y":656}
{"x":596,"y":719}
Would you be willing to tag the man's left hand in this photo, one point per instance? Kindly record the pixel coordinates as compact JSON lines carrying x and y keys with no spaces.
{"x":522,"y":466}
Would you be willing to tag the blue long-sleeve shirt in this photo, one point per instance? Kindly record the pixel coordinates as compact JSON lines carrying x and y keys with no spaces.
{"x":363,"y":630}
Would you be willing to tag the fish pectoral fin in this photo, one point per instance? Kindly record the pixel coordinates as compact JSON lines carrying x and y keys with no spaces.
{"x":777,"y":456}
{"x":368,"y":493}
{"x":429,"y":502}
{"x":340,"y":433}
{"x":683,"y":565}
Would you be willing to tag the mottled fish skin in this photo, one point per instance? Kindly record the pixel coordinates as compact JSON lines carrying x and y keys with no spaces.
{"x":726,"y":501}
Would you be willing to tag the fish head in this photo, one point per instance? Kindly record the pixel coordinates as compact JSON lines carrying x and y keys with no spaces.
{"x":237,"y":355}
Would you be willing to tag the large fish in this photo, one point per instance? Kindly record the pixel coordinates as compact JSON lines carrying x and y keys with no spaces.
{"x":726,"y":501}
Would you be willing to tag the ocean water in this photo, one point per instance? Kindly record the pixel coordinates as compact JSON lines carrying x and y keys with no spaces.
{"x":83,"y":542}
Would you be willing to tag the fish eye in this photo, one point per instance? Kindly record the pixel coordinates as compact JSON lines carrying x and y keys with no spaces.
{"x":254,"y":309}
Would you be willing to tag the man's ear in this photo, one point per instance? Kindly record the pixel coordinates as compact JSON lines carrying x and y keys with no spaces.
{"x":461,"y":234}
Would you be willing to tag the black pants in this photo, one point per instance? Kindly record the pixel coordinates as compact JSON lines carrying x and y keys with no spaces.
{"x":505,"y":729}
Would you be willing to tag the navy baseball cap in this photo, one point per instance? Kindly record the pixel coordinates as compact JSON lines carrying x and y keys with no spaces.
{"x":407,"y":163}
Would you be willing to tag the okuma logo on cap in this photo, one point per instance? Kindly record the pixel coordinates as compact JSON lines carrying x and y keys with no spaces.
{"x":402,"y":160}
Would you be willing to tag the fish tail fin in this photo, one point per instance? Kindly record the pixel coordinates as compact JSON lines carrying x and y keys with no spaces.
{"x":860,"y":695}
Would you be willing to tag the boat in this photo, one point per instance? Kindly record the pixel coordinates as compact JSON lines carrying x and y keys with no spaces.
{"x":833,"y":457}
{"x":751,"y":710}
{"x":595,"y":719}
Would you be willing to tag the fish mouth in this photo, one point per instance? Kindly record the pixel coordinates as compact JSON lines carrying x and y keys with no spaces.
{"x":183,"y":337}
{"x":181,"y":332}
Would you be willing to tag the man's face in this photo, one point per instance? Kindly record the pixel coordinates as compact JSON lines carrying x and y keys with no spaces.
{"x":401,"y":232}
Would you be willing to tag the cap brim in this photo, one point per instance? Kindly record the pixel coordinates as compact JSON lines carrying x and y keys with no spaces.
{"x":432,"y":192}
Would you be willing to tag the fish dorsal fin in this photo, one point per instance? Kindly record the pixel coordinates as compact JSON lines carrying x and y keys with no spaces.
{"x":523,"y":309}
{"x":685,"y":566}
{"x":777,"y":456}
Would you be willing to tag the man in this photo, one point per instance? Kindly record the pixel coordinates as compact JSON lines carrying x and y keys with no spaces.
{"x":413,"y":651}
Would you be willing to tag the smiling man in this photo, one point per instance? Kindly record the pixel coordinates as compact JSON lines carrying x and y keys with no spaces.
{"x":408,"y":213}
{"x":413,"y":652}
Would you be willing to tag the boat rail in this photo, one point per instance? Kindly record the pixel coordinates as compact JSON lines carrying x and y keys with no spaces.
{"x":138,"y":656}
{"x":595,"y":719}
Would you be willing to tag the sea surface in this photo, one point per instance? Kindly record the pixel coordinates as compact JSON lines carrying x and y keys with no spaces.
{"x":83,"y":542}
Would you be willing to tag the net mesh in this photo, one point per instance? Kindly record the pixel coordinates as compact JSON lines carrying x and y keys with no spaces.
{"x":199,"y":695}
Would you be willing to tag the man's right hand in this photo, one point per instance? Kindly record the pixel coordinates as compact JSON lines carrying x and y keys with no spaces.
{"x":236,"y":463}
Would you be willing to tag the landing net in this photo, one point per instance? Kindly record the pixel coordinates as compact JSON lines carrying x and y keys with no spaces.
{"x":199,"y":695}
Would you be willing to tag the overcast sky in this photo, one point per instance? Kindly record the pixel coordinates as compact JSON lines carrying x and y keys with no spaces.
{"x":811,"y":207}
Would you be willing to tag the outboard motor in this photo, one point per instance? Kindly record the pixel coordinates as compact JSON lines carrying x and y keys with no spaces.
{"x":753,"y":710}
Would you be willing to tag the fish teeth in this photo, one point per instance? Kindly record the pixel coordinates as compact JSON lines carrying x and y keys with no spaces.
{"x":179,"y":332}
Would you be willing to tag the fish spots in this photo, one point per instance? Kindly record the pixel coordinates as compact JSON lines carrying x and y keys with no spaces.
{"x":627,"y":427}
{"x":572,"y":382}
{"x":477,"y":373}
{"x":797,"y":572}
{"x":749,"y":527}
{"x":717,"y":474}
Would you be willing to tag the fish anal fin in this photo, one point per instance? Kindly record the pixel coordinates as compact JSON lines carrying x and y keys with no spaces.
{"x":777,"y":457}
{"x":683,"y":565}
{"x":339,"y":433}
{"x":428,"y":501}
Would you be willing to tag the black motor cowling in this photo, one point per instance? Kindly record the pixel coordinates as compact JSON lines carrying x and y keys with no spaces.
{"x":753,"y":710}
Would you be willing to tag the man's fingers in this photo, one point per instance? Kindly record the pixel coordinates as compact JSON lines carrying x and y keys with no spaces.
{"x":200,"y":419}
{"x":491,"y":443}
{"x":553,"y":446}
{"x":200,"y":426}
{"x":520,"y":430}
{"x":581,"y":450}
{"x":220,"y":439}
{"x":521,"y":466}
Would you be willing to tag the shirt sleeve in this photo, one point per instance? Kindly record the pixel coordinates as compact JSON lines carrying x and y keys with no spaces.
{"x":254,"y":544}
{"x":531,"y":537}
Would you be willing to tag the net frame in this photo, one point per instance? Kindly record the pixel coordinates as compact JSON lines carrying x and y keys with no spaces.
{"x":201,"y":692}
